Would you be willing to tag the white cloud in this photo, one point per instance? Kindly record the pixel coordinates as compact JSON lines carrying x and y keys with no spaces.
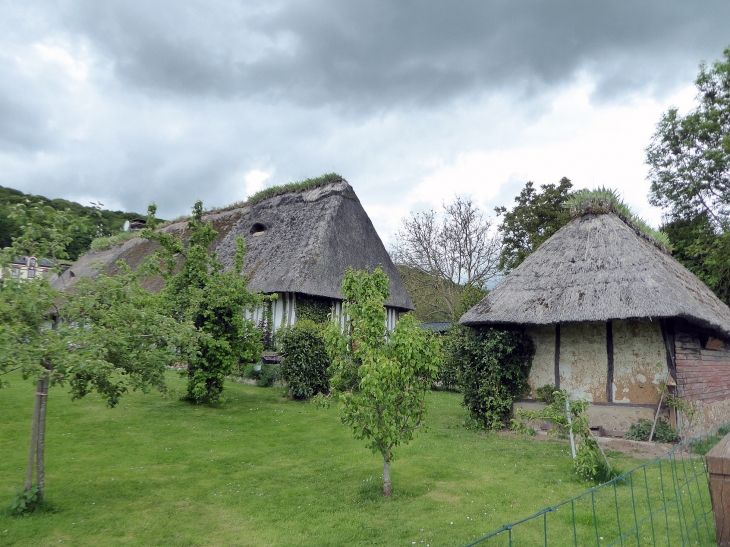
{"x":75,"y":68}
{"x":592,"y":144}
{"x":255,"y":181}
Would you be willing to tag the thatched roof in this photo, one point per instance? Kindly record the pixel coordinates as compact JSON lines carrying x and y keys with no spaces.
{"x":598,"y":268}
{"x":299,"y":241}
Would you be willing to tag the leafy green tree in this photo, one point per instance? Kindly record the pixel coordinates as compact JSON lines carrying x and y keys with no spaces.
{"x":104,"y":335}
{"x":213,"y":300}
{"x":534,"y":218}
{"x":380,"y":378}
{"x":689,"y":170}
{"x":689,"y":156}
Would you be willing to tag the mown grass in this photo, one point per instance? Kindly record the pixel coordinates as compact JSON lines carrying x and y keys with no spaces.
{"x":263,"y":470}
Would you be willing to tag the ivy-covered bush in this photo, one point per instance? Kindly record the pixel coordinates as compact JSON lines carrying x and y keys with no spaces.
{"x":306,"y":362}
{"x":494,"y":366}
{"x":317,"y":310}
{"x":663,"y":433}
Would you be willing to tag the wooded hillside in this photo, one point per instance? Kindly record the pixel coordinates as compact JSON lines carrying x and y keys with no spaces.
{"x":98,"y":222}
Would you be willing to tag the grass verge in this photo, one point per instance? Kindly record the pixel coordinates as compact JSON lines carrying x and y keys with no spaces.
{"x":263,"y":470}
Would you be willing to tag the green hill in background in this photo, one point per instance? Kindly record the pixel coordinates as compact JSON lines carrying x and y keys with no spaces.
{"x":99,"y":222}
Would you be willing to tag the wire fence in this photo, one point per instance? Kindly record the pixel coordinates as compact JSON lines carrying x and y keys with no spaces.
{"x":663,"y":502}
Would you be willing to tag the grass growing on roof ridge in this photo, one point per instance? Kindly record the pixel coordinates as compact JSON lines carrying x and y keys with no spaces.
{"x":293,"y":187}
{"x":103,"y":243}
{"x":604,"y":200}
{"x":272,"y":191}
{"x":264,"y":470}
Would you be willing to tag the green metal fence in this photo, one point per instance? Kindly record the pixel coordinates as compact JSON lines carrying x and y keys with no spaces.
{"x":663,"y":502}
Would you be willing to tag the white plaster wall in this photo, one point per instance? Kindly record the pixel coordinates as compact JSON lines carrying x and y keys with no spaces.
{"x":583,"y":360}
{"x":543,"y":364}
{"x":639,"y":361}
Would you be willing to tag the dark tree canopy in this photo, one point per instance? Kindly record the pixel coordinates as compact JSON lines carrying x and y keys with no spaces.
{"x":535,"y":217}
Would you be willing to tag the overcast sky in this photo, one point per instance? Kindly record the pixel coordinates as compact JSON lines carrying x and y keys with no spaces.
{"x":412,"y":101}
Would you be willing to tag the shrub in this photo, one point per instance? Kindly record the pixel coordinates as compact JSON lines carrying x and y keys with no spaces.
{"x":448,"y":375}
{"x":265,"y":376}
{"x":26,"y":501}
{"x":663,"y":433}
{"x":102,"y":243}
{"x":269,"y":375}
{"x":306,"y":363}
{"x":494,"y":366}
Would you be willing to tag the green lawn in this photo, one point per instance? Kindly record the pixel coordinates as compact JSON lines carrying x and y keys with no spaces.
{"x":263,"y":470}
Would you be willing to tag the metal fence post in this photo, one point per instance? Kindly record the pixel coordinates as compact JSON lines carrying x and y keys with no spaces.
{"x":718,"y":468}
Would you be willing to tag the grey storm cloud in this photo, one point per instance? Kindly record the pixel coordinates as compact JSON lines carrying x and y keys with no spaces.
{"x":175,"y":100}
{"x":380,"y":54}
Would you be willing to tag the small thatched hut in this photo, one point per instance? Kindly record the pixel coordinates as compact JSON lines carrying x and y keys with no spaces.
{"x":614,"y":317}
{"x":299,"y":243}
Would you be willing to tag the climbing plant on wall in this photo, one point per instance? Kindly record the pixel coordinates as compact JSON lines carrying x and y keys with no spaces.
{"x":494,"y":366}
{"x":317,"y":310}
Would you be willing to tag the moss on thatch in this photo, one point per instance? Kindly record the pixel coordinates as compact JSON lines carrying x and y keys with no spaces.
{"x":605,"y":200}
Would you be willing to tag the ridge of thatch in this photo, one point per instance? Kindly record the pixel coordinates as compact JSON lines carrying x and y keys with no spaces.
{"x":297,"y":241}
{"x":271,"y":191}
{"x":597,"y":268}
{"x":605,"y":200}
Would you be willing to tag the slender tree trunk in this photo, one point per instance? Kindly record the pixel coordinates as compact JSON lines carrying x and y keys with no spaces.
{"x":40,"y":471}
{"x":34,"y":436}
{"x":387,"y":489}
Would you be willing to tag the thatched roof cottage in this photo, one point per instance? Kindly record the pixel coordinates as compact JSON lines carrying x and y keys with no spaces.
{"x":300,"y":239}
{"x":614,"y":317}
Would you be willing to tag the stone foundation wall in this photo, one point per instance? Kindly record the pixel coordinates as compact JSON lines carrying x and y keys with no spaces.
{"x":614,"y":418}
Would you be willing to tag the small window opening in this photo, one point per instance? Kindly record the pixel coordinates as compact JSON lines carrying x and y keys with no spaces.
{"x":258,"y":229}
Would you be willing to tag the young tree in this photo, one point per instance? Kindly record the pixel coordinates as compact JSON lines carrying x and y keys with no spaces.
{"x":534,"y":218}
{"x":104,"y":335}
{"x":380,"y":378}
{"x":441,"y":258}
{"x":212,"y":299}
